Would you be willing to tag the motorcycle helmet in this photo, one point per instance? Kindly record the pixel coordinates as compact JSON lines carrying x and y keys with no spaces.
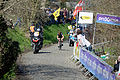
{"x":38,"y":29}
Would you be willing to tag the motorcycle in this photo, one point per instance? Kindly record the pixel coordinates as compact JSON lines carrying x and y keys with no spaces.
{"x":37,"y":42}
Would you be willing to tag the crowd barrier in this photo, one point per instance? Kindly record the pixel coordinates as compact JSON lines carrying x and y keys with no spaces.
{"x":94,"y":64}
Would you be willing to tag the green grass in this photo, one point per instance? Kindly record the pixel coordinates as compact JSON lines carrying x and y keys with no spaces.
{"x":50,"y":36}
{"x":19,"y":36}
{"x":50,"y":32}
{"x":24,"y":43}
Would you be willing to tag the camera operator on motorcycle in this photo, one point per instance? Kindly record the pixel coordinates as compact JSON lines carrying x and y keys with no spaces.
{"x":39,"y":29}
{"x":36,"y":31}
{"x":60,"y":37}
{"x":31,"y":31}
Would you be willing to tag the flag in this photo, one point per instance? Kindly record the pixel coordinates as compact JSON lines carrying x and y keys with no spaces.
{"x":78,"y":8}
{"x":56,"y":14}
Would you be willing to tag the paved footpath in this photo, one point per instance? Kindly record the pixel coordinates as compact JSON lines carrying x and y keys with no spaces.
{"x":49,"y":64}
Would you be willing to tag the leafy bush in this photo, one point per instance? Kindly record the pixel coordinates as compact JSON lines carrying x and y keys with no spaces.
{"x":9,"y":50}
{"x":19,"y":36}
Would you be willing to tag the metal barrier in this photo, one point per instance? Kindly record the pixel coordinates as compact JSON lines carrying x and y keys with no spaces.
{"x":99,"y":68}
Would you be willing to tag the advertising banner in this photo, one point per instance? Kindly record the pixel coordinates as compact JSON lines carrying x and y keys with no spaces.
{"x":108,"y":19}
{"x":91,"y":62}
{"x":85,"y":18}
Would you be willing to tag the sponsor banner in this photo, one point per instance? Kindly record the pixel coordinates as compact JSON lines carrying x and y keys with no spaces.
{"x":85,"y":18}
{"x":108,"y":19}
{"x":96,"y":66}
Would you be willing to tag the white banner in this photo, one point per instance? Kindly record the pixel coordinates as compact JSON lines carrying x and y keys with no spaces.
{"x":85,"y":18}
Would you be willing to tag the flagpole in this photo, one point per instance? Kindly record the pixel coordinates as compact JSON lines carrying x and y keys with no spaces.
{"x":83,"y":10}
{"x":94,"y":34}
{"x":77,"y":20}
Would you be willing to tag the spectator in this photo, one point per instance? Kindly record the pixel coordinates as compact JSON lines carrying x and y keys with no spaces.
{"x":117,"y":68}
{"x":62,"y":16}
{"x":82,"y":41}
{"x":11,"y":24}
{"x":31,"y":31}
{"x":80,"y":37}
{"x":70,"y":13}
{"x":116,"y":65}
{"x":18,"y":21}
{"x":65,"y":13}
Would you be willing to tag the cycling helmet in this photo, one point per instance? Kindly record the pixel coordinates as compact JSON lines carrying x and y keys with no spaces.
{"x":71,"y":31}
{"x":73,"y":27}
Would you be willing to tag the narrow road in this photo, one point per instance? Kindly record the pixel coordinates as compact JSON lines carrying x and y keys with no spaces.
{"x":49,"y":64}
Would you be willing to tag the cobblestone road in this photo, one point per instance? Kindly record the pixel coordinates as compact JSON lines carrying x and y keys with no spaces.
{"x":49,"y":64}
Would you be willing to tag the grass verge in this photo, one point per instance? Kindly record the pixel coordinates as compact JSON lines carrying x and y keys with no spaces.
{"x":19,"y":36}
{"x":50,"y":32}
{"x":50,"y":36}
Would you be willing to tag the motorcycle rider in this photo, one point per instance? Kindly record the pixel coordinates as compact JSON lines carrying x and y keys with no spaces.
{"x":36,"y":27}
{"x":31,"y":31}
{"x":39,"y":29}
{"x":60,"y":36}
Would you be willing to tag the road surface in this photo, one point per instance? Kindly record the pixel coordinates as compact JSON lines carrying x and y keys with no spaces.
{"x":49,"y":64}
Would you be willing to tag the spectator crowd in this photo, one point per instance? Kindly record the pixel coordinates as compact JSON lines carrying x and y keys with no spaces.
{"x":64,"y":17}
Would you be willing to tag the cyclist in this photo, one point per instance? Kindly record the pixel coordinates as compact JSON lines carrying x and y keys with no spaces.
{"x":60,"y":36}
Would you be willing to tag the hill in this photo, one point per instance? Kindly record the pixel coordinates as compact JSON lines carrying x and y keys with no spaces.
{"x":107,"y":32}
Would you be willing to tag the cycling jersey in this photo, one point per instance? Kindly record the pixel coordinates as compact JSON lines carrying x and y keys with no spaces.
{"x":60,"y":36}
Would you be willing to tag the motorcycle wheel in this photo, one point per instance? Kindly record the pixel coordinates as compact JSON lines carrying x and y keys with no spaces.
{"x":35,"y":49}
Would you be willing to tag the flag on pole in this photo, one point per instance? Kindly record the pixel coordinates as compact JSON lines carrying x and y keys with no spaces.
{"x":56,"y":14}
{"x":78,"y":8}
